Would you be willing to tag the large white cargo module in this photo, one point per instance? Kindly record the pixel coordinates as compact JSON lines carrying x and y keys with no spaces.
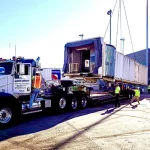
{"x":128,"y":69}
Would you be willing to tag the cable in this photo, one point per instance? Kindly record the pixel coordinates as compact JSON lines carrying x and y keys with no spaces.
{"x":117,"y":27}
{"x":120,"y":20}
{"x":128,"y":25}
{"x":121,"y":48}
{"x":109,"y":20}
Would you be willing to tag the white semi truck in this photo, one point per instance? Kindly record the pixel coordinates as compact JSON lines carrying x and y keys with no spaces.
{"x":15,"y":90}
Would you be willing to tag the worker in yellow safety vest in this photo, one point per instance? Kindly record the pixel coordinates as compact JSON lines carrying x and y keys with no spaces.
{"x":36,"y":86}
{"x":117,"y":93}
{"x":136,"y":96}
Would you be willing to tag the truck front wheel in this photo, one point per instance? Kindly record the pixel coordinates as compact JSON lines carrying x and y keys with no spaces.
{"x":5,"y":115}
{"x":8,"y":115}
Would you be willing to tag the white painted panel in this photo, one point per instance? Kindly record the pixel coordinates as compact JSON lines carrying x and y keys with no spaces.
{"x":142,"y":74}
{"x":46,"y":73}
{"x":119,"y":65}
{"x":136,"y":67}
{"x":131,"y":70}
{"x":10,"y":84}
{"x":3,"y":85}
{"x":128,"y":69}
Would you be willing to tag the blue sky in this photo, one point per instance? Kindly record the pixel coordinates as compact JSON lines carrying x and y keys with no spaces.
{"x":42,"y":27}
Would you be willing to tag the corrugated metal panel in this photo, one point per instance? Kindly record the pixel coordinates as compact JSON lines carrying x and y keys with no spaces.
{"x":142,"y":74}
{"x":136,"y":67}
{"x":140,"y":57}
{"x":130,"y":70}
{"x":119,"y":65}
{"x":126,"y":68}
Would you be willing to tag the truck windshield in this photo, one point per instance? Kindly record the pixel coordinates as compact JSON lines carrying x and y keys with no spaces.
{"x":7,"y":68}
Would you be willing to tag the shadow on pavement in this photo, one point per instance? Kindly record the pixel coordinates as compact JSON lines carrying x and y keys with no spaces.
{"x":37,"y":122}
{"x":108,"y":111}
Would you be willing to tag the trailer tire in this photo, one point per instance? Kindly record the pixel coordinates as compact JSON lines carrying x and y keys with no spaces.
{"x":9,"y":114}
{"x":73,"y":104}
{"x":62,"y":103}
{"x":83,"y":102}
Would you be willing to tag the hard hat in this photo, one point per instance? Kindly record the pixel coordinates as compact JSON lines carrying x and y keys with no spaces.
{"x":37,"y":72}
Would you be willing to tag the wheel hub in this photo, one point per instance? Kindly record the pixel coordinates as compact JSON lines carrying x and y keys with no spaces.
{"x":84,"y":102}
{"x":62,"y":103}
{"x":5,"y":115}
{"x":74,"y":103}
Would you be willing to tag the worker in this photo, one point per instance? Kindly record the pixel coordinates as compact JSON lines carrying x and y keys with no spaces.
{"x":36,"y":86}
{"x":136,"y":96}
{"x":117,"y":93}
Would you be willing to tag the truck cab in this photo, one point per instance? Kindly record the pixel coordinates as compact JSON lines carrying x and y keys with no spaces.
{"x":15,"y":87}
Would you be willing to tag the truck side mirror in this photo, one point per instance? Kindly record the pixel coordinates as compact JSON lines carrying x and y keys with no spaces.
{"x":22,"y":69}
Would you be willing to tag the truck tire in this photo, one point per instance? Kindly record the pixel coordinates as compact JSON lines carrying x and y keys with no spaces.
{"x":73,"y":104}
{"x":83,"y":102}
{"x":9,"y":114}
{"x":62,"y":103}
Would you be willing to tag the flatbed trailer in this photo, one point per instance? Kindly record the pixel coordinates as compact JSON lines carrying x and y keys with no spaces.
{"x":15,"y":91}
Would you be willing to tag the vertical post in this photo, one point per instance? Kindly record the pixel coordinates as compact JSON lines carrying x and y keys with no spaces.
{"x":110,"y":26}
{"x":121,"y":40}
{"x":9,"y":50}
{"x":110,"y":14}
{"x":81,"y":36}
{"x":147,"y":36}
{"x":122,"y":45}
{"x":15,"y":50}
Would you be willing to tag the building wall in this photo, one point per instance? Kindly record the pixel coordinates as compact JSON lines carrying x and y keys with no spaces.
{"x":140,"y":56}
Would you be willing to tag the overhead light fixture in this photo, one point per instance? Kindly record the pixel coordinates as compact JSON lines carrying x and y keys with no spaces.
{"x":79,"y":49}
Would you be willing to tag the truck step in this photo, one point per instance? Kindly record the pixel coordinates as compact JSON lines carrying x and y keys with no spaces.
{"x":32,"y":111}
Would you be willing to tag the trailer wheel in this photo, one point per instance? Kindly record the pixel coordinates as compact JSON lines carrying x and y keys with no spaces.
{"x":62,"y":103}
{"x":74,"y":103}
{"x":8,"y":115}
{"x":129,"y":96}
{"x":84,"y":102}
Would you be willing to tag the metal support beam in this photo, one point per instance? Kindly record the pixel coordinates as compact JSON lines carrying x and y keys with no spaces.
{"x":147,"y":35}
{"x":110,"y":14}
{"x":81,"y":35}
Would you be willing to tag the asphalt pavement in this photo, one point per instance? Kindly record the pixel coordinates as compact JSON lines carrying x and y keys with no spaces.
{"x":96,"y":128}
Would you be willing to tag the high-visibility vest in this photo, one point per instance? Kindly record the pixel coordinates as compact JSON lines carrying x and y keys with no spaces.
{"x":137,"y":92}
{"x":36,"y":81}
{"x":117,"y":90}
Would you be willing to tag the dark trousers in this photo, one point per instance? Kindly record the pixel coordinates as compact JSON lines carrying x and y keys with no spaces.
{"x":117,"y":101}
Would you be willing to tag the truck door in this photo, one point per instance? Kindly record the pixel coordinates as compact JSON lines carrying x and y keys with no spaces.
{"x":22,"y":78}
